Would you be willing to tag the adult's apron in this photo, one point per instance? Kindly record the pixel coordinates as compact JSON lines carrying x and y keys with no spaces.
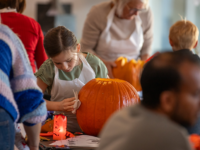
{"x":63,"y":89}
{"x":110,"y":49}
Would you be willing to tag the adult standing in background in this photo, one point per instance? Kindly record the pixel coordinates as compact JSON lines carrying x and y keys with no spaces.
{"x":118,"y":28}
{"x":28,"y":30}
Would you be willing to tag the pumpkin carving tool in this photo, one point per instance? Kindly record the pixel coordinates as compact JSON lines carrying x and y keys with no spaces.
{"x":77,"y":103}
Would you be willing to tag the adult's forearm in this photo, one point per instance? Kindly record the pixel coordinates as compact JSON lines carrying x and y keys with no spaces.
{"x":33,"y":133}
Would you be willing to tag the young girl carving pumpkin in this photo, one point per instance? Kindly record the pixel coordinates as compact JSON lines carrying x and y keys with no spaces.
{"x":66,"y":70}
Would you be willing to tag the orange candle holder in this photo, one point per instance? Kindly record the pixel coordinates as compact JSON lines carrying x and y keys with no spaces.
{"x":60,"y":127}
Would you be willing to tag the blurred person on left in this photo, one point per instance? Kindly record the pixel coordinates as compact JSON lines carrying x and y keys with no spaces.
{"x":21,"y":100}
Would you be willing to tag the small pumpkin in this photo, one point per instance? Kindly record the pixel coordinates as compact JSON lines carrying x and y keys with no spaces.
{"x":48,"y":126}
{"x":129,"y":71}
{"x":100,"y":98}
{"x":195,"y":141}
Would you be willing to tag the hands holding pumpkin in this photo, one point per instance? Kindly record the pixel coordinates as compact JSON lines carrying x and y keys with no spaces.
{"x":110,"y":65}
{"x":67,"y":104}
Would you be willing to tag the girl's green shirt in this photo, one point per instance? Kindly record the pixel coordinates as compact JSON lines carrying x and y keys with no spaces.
{"x":47,"y":72}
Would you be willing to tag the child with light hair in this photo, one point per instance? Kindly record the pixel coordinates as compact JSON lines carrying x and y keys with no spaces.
{"x":183,"y":35}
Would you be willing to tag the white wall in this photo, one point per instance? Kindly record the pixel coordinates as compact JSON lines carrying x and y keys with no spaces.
{"x":155,"y":6}
{"x":80,"y":9}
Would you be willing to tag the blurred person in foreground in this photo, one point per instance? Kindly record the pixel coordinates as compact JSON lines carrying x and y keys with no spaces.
{"x":171,"y":92}
{"x":21,"y":100}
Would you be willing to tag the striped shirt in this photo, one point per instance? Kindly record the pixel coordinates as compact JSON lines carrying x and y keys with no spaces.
{"x":19,"y":94}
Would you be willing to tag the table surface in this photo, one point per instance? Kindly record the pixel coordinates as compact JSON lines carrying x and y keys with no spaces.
{"x":44,"y":145}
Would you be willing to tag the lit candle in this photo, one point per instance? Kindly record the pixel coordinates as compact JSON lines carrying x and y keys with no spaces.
{"x":59,"y":130}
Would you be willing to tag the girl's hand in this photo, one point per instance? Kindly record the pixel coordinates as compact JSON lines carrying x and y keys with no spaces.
{"x":67,"y":104}
{"x":110,"y":65}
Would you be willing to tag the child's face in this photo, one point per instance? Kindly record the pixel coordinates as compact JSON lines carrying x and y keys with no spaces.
{"x":66,"y":60}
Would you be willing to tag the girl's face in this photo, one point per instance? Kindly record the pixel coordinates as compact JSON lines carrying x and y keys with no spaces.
{"x":67,"y":60}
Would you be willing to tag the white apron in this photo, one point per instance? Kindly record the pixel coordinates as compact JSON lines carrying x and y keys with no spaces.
{"x":63,"y":89}
{"x":110,"y":49}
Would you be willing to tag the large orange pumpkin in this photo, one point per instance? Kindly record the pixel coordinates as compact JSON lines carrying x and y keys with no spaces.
{"x":129,"y":71}
{"x":99,"y":99}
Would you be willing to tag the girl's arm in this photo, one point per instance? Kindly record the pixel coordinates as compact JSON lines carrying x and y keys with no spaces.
{"x":65,"y":105}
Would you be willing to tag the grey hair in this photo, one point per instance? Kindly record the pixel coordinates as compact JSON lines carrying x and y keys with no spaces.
{"x":121,"y":3}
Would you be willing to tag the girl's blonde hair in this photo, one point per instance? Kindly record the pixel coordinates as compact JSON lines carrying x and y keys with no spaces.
{"x":183,"y":34}
{"x":121,"y":3}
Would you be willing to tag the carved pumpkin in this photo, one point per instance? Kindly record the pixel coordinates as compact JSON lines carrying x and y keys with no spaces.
{"x":99,"y":99}
{"x":129,"y":71}
{"x":48,"y":126}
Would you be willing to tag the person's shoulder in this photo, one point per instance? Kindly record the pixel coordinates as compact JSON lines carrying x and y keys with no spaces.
{"x":46,"y":72}
{"x":92,"y":59}
{"x":48,"y":63}
{"x":137,"y":121}
{"x":103,"y":5}
{"x":46,"y":67}
{"x":140,"y":117}
{"x":146,"y":15}
{"x":122,"y":119}
{"x":101,"y":10}
{"x":25,"y":18}
{"x":146,"y":12}
{"x":28,"y":21}
{"x":118,"y":130}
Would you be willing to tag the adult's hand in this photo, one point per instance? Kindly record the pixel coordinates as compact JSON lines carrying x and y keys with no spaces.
{"x":110,"y":65}
{"x":67,"y":104}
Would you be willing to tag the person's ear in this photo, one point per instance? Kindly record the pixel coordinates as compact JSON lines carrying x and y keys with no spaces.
{"x":167,"y":102}
{"x":78,"y":47}
{"x":171,"y":43}
{"x":195,"y":45}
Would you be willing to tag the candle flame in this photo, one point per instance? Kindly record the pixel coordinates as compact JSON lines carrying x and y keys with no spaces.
{"x":61,"y":130}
